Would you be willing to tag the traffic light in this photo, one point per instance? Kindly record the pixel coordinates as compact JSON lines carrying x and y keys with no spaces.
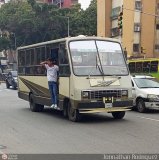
{"x":120,"y":20}
{"x":143,"y":50}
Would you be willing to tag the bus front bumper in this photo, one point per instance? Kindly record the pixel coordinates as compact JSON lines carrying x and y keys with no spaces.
{"x":97,"y":107}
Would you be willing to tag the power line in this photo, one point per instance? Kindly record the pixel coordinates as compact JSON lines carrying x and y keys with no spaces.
{"x":150,"y":14}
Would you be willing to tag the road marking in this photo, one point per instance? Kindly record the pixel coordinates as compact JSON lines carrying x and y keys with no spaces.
{"x":151,"y":119}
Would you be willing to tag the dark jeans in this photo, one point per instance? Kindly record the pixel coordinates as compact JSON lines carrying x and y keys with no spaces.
{"x":53,"y":91}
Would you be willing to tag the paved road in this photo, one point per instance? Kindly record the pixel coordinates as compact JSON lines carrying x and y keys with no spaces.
{"x":23,"y":131}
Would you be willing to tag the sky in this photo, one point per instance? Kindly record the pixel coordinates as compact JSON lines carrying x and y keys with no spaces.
{"x":84,"y":3}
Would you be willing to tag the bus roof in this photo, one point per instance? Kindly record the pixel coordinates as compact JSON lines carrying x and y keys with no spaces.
{"x":68,"y":39}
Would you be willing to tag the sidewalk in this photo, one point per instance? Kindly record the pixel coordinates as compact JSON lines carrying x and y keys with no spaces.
{"x":2,"y":86}
{"x":2,"y":82}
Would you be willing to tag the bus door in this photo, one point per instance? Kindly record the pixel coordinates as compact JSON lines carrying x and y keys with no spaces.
{"x":54,"y":54}
{"x":64,"y":74}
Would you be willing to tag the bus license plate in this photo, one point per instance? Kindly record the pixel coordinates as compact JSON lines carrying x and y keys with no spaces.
{"x":108,"y":105}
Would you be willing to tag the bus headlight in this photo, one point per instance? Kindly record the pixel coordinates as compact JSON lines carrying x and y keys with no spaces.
{"x":85,"y":94}
{"x":124,"y":93}
{"x":153,"y":97}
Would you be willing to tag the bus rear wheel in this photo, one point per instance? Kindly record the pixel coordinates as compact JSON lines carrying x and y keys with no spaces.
{"x":118,"y":115}
{"x":65,"y":108}
{"x":34,"y":107}
{"x":73,"y":114}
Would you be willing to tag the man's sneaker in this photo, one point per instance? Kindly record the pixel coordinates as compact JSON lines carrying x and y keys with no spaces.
{"x":56,"y":107}
{"x":52,"y":106}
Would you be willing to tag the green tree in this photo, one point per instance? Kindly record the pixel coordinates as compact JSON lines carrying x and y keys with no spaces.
{"x":30,"y":22}
{"x":4,"y":43}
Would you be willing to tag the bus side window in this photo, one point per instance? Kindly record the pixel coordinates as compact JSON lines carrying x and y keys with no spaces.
{"x":146,"y":66}
{"x":154,"y":66}
{"x":139,"y":67}
{"x":21,"y":62}
{"x":132,"y":67}
{"x":48,"y":51}
{"x":37,"y":51}
{"x":39,"y":70}
{"x":21,"y":59}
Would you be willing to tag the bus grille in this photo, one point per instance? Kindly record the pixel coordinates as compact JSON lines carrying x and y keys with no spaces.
{"x":104,"y":93}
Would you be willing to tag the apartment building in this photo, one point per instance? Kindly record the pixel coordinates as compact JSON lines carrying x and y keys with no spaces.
{"x":140,"y":25}
{"x":60,"y":3}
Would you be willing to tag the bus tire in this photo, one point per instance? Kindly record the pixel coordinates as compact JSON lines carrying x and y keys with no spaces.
{"x":118,"y":115}
{"x":73,"y":114}
{"x":141,"y":106}
{"x":34,"y":107}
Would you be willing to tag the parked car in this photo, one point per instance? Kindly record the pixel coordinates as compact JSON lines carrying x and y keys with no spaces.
{"x":4,"y":76}
{"x":11,"y":79}
{"x":145,"y":91}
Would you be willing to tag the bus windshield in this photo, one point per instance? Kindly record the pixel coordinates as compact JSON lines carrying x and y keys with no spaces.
{"x":96,"y":57}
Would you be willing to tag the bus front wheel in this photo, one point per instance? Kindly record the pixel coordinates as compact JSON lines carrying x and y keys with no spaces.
{"x":118,"y":115}
{"x":73,"y":114}
{"x":34,"y":107}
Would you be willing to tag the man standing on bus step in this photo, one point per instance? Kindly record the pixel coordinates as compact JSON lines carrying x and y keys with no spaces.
{"x":52,"y":71}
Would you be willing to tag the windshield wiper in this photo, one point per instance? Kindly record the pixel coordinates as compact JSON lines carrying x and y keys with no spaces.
{"x":100,"y":67}
{"x":97,"y":65}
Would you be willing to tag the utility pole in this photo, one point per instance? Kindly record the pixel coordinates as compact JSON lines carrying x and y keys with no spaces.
{"x":15,"y":41}
{"x":68,"y":27}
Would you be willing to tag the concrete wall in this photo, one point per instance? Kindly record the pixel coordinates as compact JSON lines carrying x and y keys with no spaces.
{"x":128,"y":26}
{"x":148,"y":27}
{"x":103,"y":17}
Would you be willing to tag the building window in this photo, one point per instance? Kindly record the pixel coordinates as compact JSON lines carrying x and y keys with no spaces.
{"x":135,"y":47}
{"x":157,"y":26}
{"x":137,"y":27}
{"x":157,"y":47}
{"x":138,"y":5}
{"x":115,"y":12}
{"x":157,"y":6}
{"x":114,"y":32}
